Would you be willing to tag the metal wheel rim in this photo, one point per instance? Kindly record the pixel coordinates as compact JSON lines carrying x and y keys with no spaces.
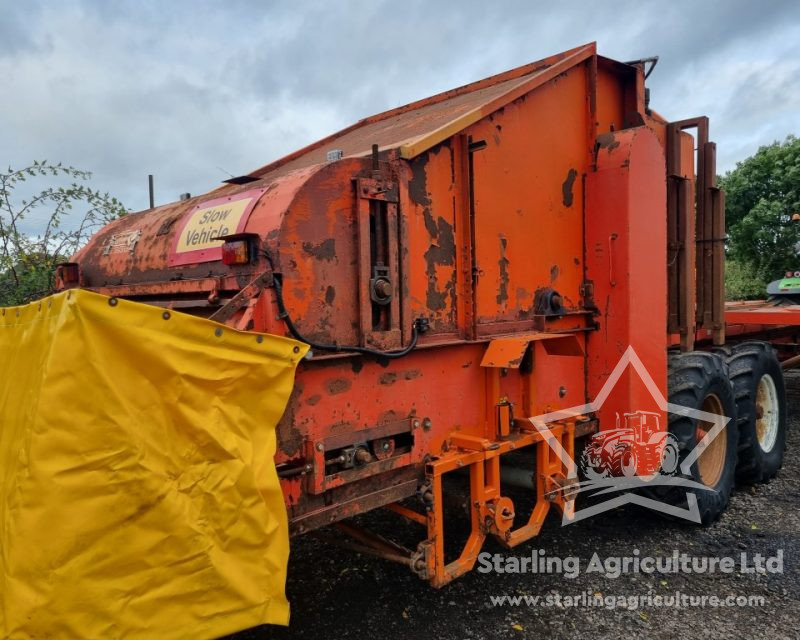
{"x":768,"y":413}
{"x":711,"y":462}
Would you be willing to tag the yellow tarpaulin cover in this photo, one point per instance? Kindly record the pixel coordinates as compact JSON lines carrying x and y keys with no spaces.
{"x":139,"y":492}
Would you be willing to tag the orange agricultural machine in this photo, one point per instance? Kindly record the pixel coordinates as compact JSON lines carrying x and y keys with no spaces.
{"x":459,"y":265}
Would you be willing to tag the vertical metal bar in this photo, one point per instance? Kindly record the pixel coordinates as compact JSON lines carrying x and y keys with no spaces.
{"x":393,"y":253}
{"x":704,"y":228}
{"x":718,"y":311}
{"x":364,"y":263}
{"x":686,"y":261}
{"x":150,"y":190}
{"x":472,"y":239}
{"x":464,"y":233}
{"x":403,"y":207}
{"x":491,"y":474}
{"x":436,"y":530}
{"x":673,"y":242}
{"x":591,"y":116}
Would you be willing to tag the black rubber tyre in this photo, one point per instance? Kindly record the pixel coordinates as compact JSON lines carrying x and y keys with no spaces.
{"x":695,"y":379}
{"x":748,"y":363}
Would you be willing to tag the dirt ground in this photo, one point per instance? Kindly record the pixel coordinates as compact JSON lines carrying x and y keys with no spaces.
{"x":339,"y":594}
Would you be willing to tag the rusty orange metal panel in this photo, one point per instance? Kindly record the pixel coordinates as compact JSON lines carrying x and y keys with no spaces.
{"x":528,"y":182}
{"x":432,"y":275}
{"x":626,"y":258}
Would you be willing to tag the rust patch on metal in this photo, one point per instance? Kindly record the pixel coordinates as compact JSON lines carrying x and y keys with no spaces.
{"x":412,"y":373}
{"x":312,"y":400}
{"x":566,"y":188}
{"x":325,"y":250}
{"x":502,"y":292}
{"x":418,"y":185}
{"x":387,"y":378}
{"x":290,"y":438}
{"x":553,"y":273}
{"x":338,"y":385}
{"x":330,"y":294}
{"x":607,"y":141}
{"x":441,"y":252}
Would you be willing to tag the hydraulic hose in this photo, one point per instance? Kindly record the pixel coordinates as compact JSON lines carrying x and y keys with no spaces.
{"x":420,"y":326}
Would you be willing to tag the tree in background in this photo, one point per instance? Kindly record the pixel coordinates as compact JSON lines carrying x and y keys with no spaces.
{"x":40,"y":228}
{"x":761,"y":195}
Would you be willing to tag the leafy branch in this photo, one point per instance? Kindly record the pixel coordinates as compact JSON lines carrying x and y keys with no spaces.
{"x":72,"y":212}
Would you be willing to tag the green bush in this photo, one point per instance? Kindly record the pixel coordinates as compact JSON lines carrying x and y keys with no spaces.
{"x":742,"y":282}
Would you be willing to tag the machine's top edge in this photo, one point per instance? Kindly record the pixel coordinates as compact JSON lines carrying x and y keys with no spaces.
{"x":417,"y":126}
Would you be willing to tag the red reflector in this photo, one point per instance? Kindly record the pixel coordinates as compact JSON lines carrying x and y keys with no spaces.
{"x":236,"y":252}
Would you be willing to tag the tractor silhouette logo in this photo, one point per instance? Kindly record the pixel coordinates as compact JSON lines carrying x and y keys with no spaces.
{"x":639,"y":447}
{"x":638,"y":454}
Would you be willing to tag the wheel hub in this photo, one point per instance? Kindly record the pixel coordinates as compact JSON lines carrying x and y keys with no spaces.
{"x":767,"y":413}
{"x":711,"y":461}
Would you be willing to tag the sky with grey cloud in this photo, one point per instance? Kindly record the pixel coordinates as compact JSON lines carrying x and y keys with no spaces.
{"x":194,"y":91}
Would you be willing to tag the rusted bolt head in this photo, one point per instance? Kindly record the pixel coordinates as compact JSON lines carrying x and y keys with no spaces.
{"x":296,"y":349}
{"x":320,"y":446}
{"x":218,"y":332}
{"x":383,"y":288}
{"x":562,"y":391}
{"x":363,"y":456}
{"x":415,"y":424}
{"x":426,"y":424}
{"x":165,"y":315}
{"x":112,"y":302}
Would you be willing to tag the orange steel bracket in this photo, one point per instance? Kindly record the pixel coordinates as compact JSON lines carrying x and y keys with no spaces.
{"x":490,"y":512}
{"x":507,"y":352}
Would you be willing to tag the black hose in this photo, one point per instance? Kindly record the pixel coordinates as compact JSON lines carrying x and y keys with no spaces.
{"x":419,"y":326}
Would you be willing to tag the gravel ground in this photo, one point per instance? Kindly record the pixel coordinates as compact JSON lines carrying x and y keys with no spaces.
{"x":338,"y":594}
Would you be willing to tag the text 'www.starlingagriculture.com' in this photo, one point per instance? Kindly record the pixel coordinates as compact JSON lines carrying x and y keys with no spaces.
{"x":677,"y":600}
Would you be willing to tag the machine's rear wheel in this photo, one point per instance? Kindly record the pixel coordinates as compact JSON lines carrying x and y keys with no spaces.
{"x":699,"y":380}
{"x":761,"y":408}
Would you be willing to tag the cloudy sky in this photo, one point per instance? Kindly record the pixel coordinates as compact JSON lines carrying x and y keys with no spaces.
{"x":195,"y":91}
